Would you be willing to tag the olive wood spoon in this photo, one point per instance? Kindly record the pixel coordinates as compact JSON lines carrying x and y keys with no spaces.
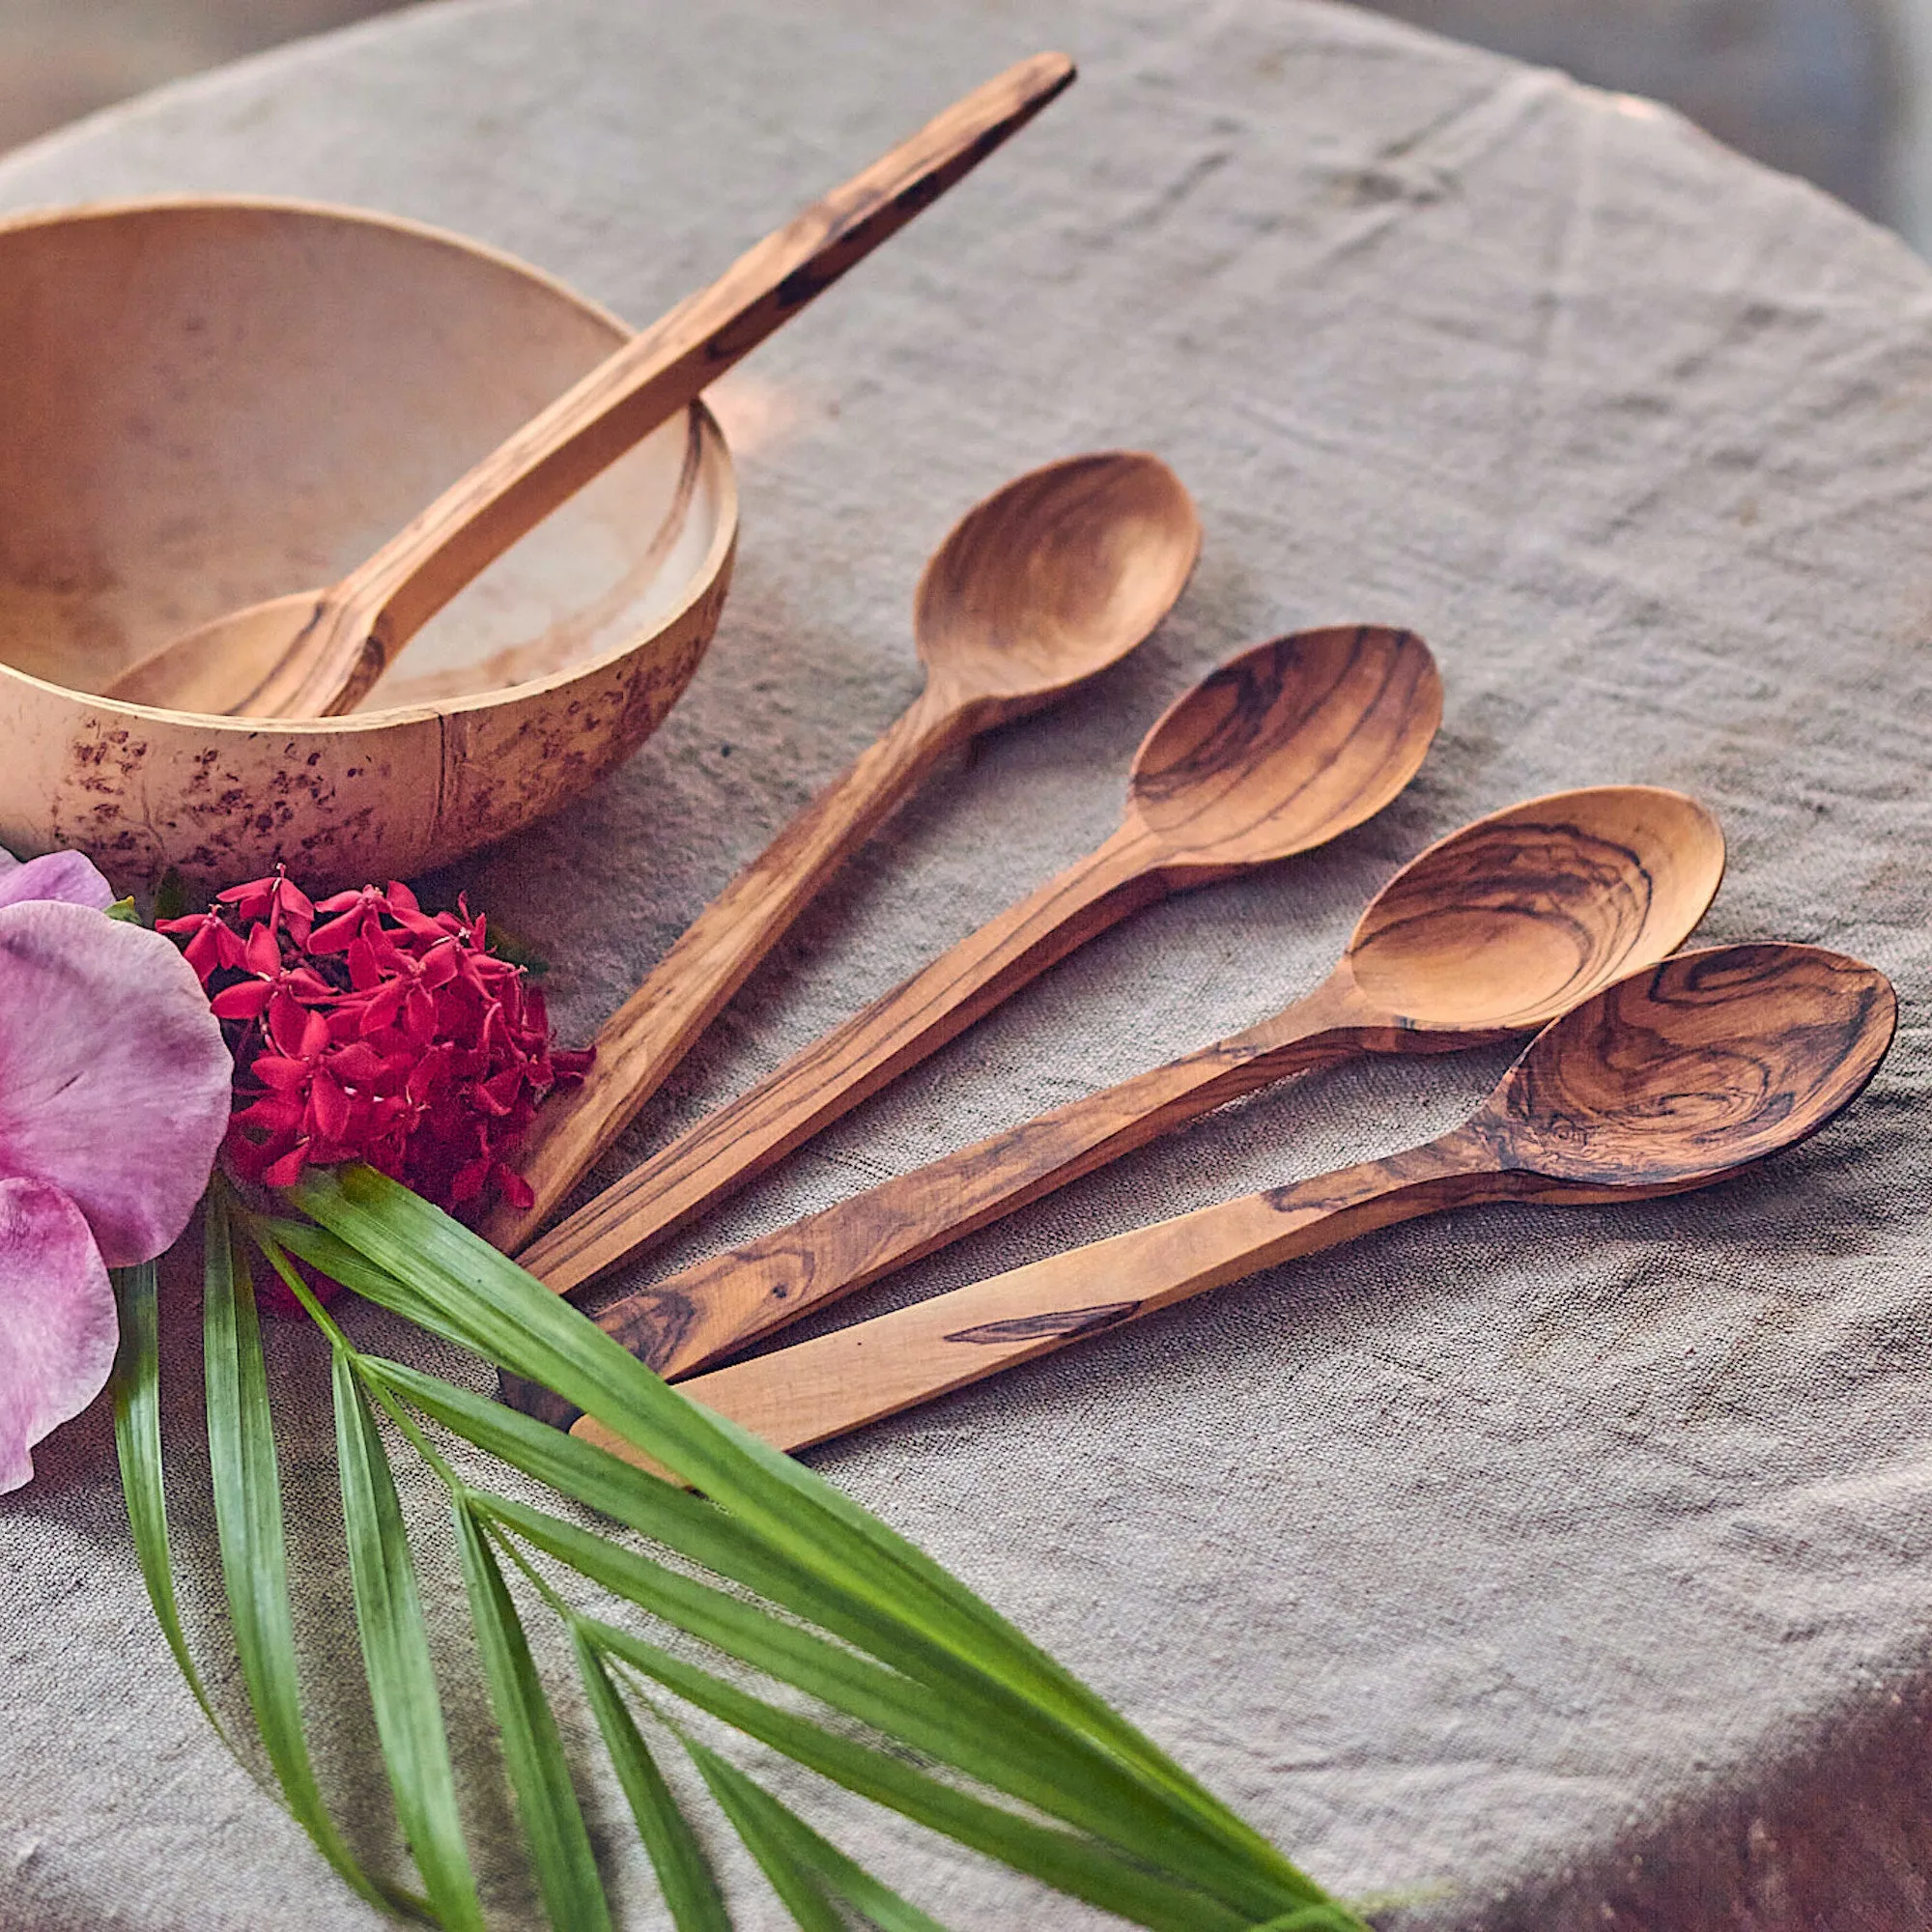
{"x":1491,"y":932}
{"x":1281,"y":749}
{"x":1037,"y":589}
{"x":316,"y":653}
{"x":1669,"y":1080}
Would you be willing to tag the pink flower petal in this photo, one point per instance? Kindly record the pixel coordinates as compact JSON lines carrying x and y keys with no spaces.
{"x":287,"y":1171}
{"x":261,"y":954}
{"x":57,"y":1324}
{"x":114,"y":1081}
{"x":336,"y":934}
{"x":243,"y":1000}
{"x":64,"y":876}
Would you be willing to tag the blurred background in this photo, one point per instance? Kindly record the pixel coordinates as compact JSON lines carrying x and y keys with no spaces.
{"x":1839,"y":91}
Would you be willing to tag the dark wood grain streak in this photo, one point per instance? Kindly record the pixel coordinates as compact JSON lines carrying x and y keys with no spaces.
{"x":1065,"y":1324}
{"x":1488,"y":932}
{"x":1282,"y":750}
{"x":1669,"y":1080}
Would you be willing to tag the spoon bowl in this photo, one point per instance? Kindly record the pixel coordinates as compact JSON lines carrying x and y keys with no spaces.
{"x":1515,"y":919}
{"x":1285,"y":748}
{"x":205,"y":669}
{"x":1680,"y":1074}
{"x":1054,"y":578}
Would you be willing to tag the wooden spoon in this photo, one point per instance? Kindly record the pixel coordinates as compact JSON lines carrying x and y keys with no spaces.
{"x":1038,"y":589}
{"x":1493,"y":931}
{"x":316,"y":653}
{"x":1283,"y":749}
{"x":1669,"y":1080}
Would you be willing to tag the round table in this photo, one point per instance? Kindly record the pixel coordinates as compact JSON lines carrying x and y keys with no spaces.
{"x":1519,"y":1568}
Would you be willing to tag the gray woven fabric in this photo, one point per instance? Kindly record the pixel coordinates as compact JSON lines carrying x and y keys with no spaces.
{"x":1532,"y":1568}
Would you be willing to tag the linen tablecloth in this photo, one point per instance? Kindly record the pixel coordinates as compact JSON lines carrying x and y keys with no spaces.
{"x":1525,"y":1568}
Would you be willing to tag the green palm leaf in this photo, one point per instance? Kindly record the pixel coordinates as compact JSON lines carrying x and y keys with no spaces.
{"x":942,"y":1674}
{"x":795,"y":1879}
{"x":254,"y":1556}
{"x":1075,"y":1864}
{"x":137,"y":1442}
{"x":699,"y":1529}
{"x":395,"y":1655}
{"x":983,"y":1737}
{"x":566,"y":1869}
{"x":684,"y":1874}
{"x":783,"y":1843}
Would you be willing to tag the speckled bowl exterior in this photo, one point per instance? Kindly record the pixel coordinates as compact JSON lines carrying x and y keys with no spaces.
{"x":207,"y":402}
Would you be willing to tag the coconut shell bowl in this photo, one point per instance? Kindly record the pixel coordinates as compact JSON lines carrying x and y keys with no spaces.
{"x":204,"y":403}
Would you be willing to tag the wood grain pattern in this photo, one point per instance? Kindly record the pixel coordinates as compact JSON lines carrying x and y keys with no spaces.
{"x":1679,"y":1076}
{"x":1280,"y":749}
{"x":325,"y":649}
{"x":1518,"y":917}
{"x":1669,"y":1080}
{"x":1491,"y":931}
{"x":139,"y":444}
{"x":1038,"y":589}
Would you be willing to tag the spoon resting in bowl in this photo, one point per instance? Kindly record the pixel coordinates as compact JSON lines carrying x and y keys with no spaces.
{"x":316,"y":653}
{"x":1492,"y":931}
{"x":1671,"y":1079}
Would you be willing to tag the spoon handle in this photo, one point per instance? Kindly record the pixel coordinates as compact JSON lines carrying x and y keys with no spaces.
{"x":680,"y":1324}
{"x":366,"y":618}
{"x":829,"y":1078}
{"x":647,"y":1037}
{"x":840,"y":1381}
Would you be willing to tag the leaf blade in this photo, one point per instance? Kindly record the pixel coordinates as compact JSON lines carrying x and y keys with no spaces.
{"x":246,"y":1482}
{"x":396,"y":1658}
{"x":1082,"y":1866}
{"x":811,"y":1855}
{"x":791,"y":1877}
{"x":487,"y":1303}
{"x":684,"y":1873}
{"x":989,"y":1739}
{"x":566,"y":1869}
{"x":137,"y":1442}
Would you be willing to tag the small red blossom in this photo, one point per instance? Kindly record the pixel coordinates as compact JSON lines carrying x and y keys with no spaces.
{"x":367,"y":1029}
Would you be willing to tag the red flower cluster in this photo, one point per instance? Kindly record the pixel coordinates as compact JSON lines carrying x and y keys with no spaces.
{"x":367,"y":1029}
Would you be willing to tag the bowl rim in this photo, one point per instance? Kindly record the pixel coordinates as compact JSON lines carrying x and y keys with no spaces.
{"x":706,"y":434}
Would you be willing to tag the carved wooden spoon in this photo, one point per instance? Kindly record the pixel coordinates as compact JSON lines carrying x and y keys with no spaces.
{"x":1037,"y":589}
{"x":1669,"y":1080}
{"x":1283,"y":749}
{"x":1493,"y":931}
{"x":316,"y":653}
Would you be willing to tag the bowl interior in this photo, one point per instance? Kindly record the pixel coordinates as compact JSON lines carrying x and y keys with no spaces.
{"x":203,"y":405}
